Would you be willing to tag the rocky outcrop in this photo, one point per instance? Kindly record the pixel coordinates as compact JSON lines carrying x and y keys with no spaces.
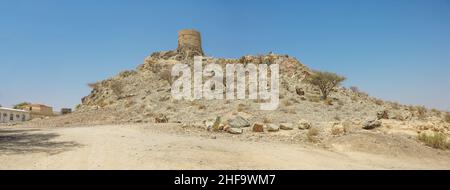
{"x":372,"y":124}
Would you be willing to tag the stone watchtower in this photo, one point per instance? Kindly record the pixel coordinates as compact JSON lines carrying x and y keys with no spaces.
{"x":189,"y":44}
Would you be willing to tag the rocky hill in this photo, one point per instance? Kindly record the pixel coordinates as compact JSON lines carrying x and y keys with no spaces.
{"x":143,"y":96}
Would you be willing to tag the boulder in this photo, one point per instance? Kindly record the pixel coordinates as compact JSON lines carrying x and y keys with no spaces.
{"x":258,"y":127}
{"x":372,"y":124}
{"x":303,"y":124}
{"x":286,"y":126}
{"x":272,"y":127}
{"x":238,"y":122}
{"x":234,"y":130}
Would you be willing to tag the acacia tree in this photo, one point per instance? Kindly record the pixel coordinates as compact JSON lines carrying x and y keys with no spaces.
{"x":20,"y":105}
{"x":325,"y":81}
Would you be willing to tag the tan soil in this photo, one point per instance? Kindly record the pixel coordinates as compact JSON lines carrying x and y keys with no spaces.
{"x":167,"y":146}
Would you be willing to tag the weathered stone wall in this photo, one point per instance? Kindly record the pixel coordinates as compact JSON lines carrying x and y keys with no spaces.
{"x":189,"y":43}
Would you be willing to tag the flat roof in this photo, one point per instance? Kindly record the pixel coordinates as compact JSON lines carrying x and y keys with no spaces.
{"x":10,"y":109}
{"x":40,"y":105}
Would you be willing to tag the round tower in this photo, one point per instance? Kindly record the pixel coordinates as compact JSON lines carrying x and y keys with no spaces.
{"x":189,"y":43}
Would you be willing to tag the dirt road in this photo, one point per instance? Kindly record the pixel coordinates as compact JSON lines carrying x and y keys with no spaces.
{"x":150,"y":147}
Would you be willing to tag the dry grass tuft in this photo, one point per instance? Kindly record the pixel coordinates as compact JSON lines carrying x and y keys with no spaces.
{"x":312,"y":134}
{"x":287,"y":103}
{"x":435,"y":140}
{"x":379,"y":102}
{"x":267,"y":120}
{"x":241,"y":107}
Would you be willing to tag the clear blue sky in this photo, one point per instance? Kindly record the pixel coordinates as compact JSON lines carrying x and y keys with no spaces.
{"x":395,"y":49}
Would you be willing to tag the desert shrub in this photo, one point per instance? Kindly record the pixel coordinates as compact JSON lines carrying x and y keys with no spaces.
{"x":354,"y":89}
{"x":129,"y":104}
{"x":295,"y":100}
{"x":348,"y":126}
{"x":329,"y":101}
{"x":395,"y":106}
{"x":325,"y":81}
{"x":312,"y":134}
{"x":436,"y":112}
{"x":379,"y":102}
{"x":125,"y":74}
{"x":155,"y":68}
{"x":447,"y":117}
{"x":358,"y":91}
{"x":117,"y":87}
{"x":93,"y":85}
{"x":241,"y":107}
{"x":166,"y":75}
{"x":78,"y":106}
{"x":267,"y":120}
{"x":336,"y":131}
{"x":314,"y":99}
{"x":286,"y":102}
{"x":421,"y":112}
{"x":435,"y":140}
{"x":201,"y":107}
{"x":161,"y":118}
{"x":102,"y":102}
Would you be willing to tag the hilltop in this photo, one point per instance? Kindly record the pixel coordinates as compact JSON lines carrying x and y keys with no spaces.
{"x":347,"y":118}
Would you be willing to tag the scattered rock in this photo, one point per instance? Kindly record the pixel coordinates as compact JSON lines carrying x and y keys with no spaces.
{"x":372,"y":124}
{"x":221,"y":126}
{"x":383,"y":114}
{"x":258,"y":127}
{"x":226,"y":127}
{"x":286,"y":126}
{"x":303,"y":124}
{"x":299,"y":91}
{"x":209,"y":125}
{"x":238,"y":122}
{"x":234,"y":130}
{"x":272,"y":127}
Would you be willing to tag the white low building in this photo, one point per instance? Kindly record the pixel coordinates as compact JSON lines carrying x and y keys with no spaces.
{"x":8,"y":115}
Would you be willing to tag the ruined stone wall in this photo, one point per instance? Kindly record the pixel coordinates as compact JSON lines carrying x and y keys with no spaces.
{"x":189,"y":43}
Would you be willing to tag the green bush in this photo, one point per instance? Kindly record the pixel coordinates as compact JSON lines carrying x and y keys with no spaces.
{"x":20,"y":105}
{"x":325,"y":81}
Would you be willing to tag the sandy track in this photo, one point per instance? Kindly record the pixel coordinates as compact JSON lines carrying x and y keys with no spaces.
{"x":149,"y":147}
